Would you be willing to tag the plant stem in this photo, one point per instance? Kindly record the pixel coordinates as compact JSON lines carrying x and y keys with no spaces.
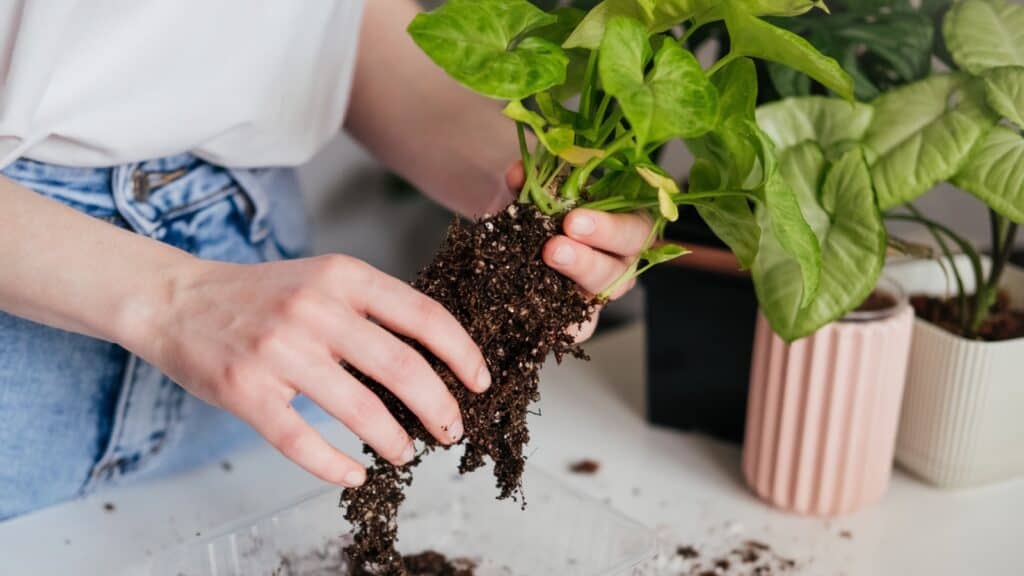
{"x":966,"y":323}
{"x":587,"y":94}
{"x":721,"y":64}
{"x":524,"y":152}
{"x":1004,"y":234}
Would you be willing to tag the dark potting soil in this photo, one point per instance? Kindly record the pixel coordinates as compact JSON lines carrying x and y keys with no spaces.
{"x":877,"y":301}
{"x":750,"y":558}
{"x":1003,"y":323}
{"x":431,"y":563}
{"x":585,"y":466}
{"x":490,"y":276}
{"x":328,"y":560}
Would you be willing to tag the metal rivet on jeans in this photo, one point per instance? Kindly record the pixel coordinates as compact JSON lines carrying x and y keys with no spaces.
{"x":140,"y":186}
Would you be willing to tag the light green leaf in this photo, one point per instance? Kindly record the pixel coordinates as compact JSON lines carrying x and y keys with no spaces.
{"x":657,"y":179}
{"x":829,"y":122}
{"x":669,"y":13}
{"x":480,"y":43}
{"x":922,"y":133}
{"x":853,"y":243}
{"x":995,"y":173}
{"x":983,"y":34}
{"x":667,"y":206}
{"x":752,"y":37}
{"x":1004,"y":92}
{"x":663,"y":253}
{"x":783,"y":222}
{"x":559,"y":140}
{"x":675,"y":99}
{"x":736,"y":83}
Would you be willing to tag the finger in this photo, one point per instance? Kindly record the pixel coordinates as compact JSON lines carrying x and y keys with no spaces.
{"x":305,"y":361}
{"x":593,"y":270}
{"x":405,"y":310}
{"x":403,"y":371}
{"x":582,"y":332}
{"x":359,"y":409}
{"x":620,"y":234}
{"x":515,"y":176}
{"x":276,"y":420}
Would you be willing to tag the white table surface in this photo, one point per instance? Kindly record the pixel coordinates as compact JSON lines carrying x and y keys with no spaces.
{"x":686,"y":486}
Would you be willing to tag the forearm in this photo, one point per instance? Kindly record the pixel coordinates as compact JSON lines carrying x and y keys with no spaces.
{"x":68,"y":270}
{"x":453,"y":144}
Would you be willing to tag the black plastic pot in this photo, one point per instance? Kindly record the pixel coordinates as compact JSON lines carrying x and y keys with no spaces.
{"x":700,"y":334}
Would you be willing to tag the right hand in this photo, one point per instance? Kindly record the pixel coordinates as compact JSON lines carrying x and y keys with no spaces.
{"x":249,"y":338}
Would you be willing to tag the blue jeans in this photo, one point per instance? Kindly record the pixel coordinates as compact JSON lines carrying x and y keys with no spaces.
{"x":77,"y":413}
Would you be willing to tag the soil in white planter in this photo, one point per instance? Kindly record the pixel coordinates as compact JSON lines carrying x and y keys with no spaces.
{"x":1003,"y":322}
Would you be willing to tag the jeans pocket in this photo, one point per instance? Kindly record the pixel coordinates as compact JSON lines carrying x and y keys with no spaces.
{"x":279,"y":221}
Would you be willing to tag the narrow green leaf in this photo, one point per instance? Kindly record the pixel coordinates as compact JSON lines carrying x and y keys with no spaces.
{"x":995,"y":173}
{"x":1004,"y":92}
{"x":667,"y":206}
{"x":784,"y":222}
{"x":480,"y":43}
{"x":658,"y":179}
{"x":753,"y":37}
{"x":663,"y":253}
{"x":983,"y":34}
{"x":675,"y":99}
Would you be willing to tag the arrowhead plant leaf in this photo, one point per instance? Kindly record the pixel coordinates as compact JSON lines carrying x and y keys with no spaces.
{"x":481,"y":44}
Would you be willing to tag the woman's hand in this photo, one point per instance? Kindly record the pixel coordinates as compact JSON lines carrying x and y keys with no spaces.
{"x":595,"y":250}
{"x":249,"y":338}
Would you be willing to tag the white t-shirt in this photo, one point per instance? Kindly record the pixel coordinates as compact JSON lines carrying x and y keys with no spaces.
{"x":240,"y":83}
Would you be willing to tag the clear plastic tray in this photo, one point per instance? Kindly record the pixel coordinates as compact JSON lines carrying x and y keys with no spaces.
{"x":560,"y":532}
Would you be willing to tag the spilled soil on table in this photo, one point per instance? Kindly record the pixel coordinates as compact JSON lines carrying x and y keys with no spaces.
{"x":1003,"y":323}
{"x":490,"y":276}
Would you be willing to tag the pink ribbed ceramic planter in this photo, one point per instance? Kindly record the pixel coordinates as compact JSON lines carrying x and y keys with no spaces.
{"x":823,"y":413}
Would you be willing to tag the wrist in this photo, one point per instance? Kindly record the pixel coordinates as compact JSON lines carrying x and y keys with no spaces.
{"x":137,"y":318}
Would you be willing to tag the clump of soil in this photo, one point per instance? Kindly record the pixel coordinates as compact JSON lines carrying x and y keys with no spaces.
{"x":329,"y":560}
{"x":431,"y":563}
{"x":749,"y":558}
{"x":585,"y":466}
{"x":877,"y":302}
{"x":491,"y":277}
{"x":1003,"y":322}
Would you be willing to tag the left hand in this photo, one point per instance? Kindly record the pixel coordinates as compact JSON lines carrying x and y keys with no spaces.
{"x":595,"y":249}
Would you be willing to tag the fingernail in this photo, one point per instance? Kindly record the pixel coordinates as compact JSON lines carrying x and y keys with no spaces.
{"x":564,"y":256}
{"x":582,"y":225}
{"x":483,"y":379}
{"x":354,"y":478}
{"x":455,"y":431}
{"x":408,"y":454}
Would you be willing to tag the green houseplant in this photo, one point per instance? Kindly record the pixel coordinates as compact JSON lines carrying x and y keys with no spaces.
{"x":964,"y":127}
{"x":698,"y":366}
{"x":637,"y":87}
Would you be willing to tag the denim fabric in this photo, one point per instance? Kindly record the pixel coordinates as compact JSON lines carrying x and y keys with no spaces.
{"x":76,"y":413}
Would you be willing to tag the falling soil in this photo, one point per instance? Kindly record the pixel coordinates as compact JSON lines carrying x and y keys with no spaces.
{"x":1003,"y":322}
{"x":586,"y":467}
{"x":490,"y":276}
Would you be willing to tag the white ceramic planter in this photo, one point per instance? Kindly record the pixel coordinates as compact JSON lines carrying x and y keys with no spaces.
{"x":822,"y":412}
{"x":962,"y":422}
